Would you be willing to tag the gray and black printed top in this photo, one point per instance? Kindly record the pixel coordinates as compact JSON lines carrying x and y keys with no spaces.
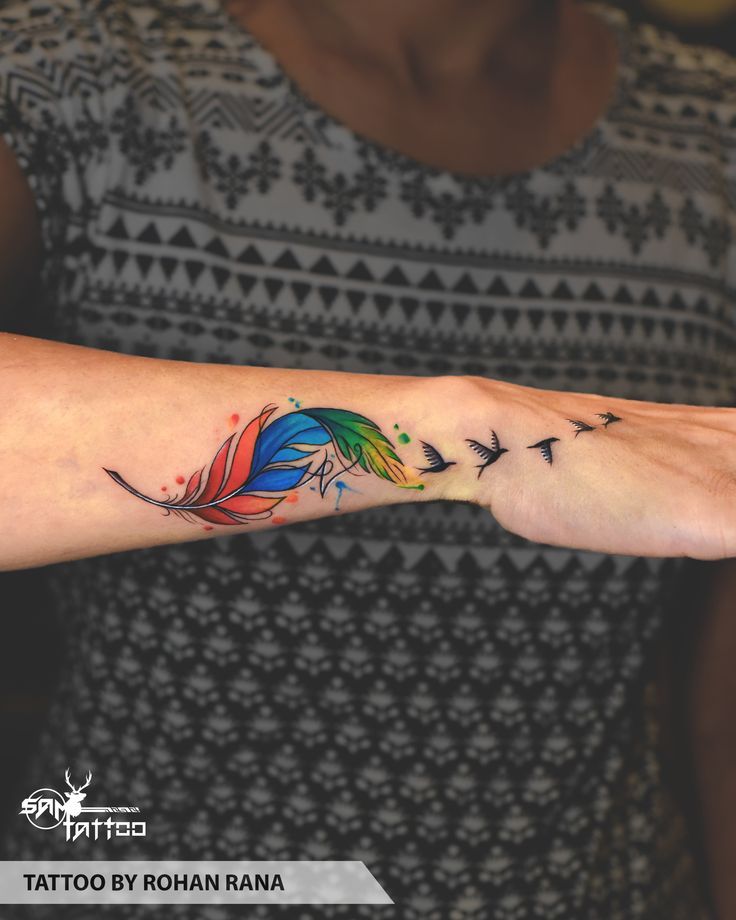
{"x":469,"y":713}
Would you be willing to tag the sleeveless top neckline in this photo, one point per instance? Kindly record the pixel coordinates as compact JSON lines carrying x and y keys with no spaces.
{"x":343,"y":137}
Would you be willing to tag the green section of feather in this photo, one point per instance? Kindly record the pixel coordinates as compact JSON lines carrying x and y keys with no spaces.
{"x":360,"y":440}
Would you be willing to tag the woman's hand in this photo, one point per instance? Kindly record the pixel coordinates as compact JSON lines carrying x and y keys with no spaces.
{"x":649,"y":479}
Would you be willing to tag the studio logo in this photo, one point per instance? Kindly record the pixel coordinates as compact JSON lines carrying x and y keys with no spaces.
{"x":48,"y":809}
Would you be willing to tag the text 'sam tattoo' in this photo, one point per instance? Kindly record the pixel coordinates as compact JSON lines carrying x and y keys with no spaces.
{"x":261,"y":466}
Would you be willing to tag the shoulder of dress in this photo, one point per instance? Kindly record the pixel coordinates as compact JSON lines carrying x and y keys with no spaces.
{"x":665,"y":65}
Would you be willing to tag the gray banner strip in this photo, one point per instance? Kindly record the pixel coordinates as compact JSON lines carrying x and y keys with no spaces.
{"x":191,"y":882}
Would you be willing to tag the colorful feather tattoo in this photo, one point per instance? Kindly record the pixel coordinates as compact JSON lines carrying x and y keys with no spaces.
{"x":276,"y":457}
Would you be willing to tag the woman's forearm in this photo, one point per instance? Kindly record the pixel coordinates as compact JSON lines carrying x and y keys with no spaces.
{"x":102,"y":452}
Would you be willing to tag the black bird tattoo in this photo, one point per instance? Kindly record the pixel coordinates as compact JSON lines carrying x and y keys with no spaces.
{"x":546,"y":448}
{"x":437,"y":463}
{"x":490,"y":454}
{"x":580,"y":426}
{"x":608,"y":418}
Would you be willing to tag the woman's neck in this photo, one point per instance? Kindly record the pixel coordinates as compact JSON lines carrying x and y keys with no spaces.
{"x":427,"y":41}
{"x":491,"y":87}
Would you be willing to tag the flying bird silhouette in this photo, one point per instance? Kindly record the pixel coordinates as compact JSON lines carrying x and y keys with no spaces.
{"x":608,"y":417}
{"x":437,"y":463}
{"x":490,"y":454}
{"x":545,"y":447}
{"x":580,"y":426}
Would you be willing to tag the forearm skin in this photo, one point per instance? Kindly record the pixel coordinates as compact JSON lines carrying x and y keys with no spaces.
{"x":102,"y":452}
{"x":70,"y":414}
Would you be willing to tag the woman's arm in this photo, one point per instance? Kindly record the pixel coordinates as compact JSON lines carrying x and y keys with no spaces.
{"x":713,"y":733}
{"x":102,"y":452}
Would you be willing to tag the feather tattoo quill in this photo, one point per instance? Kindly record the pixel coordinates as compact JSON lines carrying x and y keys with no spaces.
{"x":277,"y":456}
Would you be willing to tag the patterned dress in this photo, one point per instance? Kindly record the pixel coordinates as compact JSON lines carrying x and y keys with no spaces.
{"x":469,"y":713}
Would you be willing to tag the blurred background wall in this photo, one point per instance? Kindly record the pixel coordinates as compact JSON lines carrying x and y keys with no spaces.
{"x":703,"y":22}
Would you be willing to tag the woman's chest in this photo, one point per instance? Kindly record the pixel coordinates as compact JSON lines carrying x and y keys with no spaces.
{"x":229,"y":224}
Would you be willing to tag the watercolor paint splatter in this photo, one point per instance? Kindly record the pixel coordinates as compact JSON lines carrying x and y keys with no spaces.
{"x":402,"y":437}
{"x":341,"y":488}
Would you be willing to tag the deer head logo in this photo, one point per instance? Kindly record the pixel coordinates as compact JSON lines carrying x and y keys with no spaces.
{"x":74,"y":806}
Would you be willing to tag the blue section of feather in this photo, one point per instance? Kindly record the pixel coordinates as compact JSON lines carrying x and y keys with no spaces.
{"x":294,"y":428}
{"x":277,"y":480}
{"x":287,"y":454}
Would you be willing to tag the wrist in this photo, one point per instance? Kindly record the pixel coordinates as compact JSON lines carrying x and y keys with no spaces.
{"x":447,"y":411}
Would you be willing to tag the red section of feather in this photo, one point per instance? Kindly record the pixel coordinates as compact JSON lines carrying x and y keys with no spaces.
{"x":214,"y":515}
{"x":243,"y":452}
{"x":216,"y":474}
{"x":227,"y":473}
{"x":249,"y":504}
{"x":191,"y":487}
